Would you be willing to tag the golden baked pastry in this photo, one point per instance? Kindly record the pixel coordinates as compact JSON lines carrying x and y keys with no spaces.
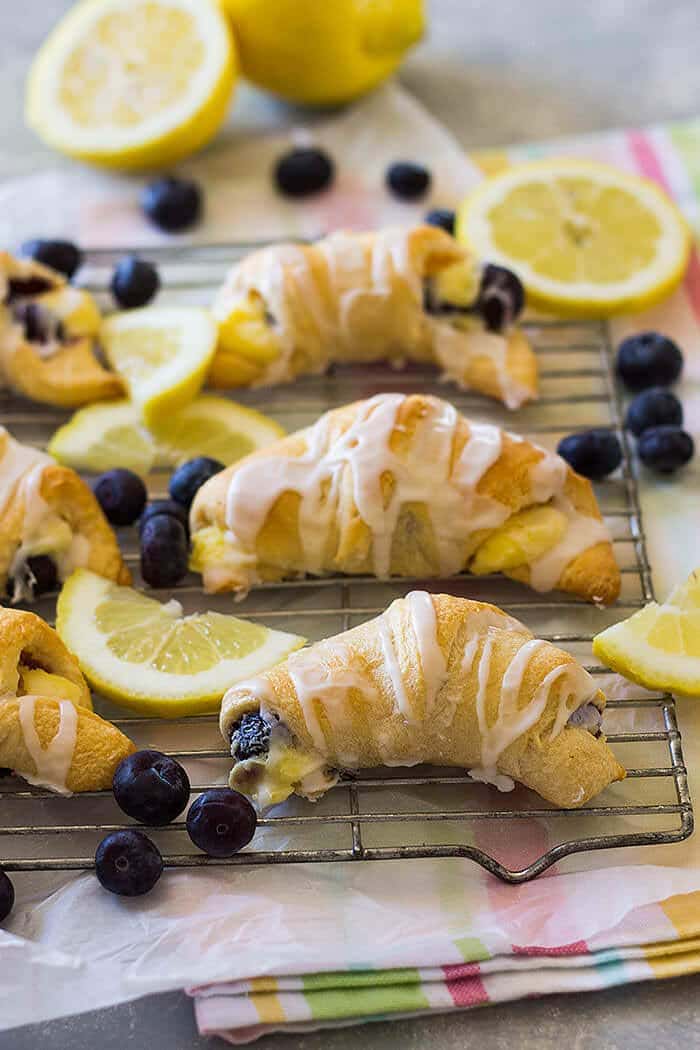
{"x":48,"y":510}
{"x":47,"y":333}
{"x":402,"y":486}
{"x":49,"y":734}
{"x":435,"y":679}
{"x":396,"y":294}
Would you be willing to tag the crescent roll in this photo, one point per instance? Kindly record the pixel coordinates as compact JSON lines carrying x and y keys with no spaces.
{"x":47,"y":511}
{"x":49,"y":734}
{"x":435,"y":679}
{"x":396,"y":294}
{"x":402,"y":486}
{"x":47,"y":333}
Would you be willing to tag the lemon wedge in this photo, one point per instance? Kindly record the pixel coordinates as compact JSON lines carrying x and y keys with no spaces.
{"x":585,"y":239}
{"x":659,"y":646}
{"x":111,"y":434}
{"x":151,"y":657}
{"x":162,"y":353}
{"x":133,"y":84}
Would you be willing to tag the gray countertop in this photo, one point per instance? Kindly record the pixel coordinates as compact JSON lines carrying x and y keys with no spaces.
{"x":494,"y":73}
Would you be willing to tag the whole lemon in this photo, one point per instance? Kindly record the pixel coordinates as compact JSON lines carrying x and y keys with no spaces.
{"x":323,"y":52}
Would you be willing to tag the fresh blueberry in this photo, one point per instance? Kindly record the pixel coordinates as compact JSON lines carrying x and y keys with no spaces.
{"x":134,"y":282}
{"x":7,"y":896}
{"x":164,"y":551}
{"x":39,"y":576}
{"x":250,"y":736}
{"x":593,"y":453}
{"x":648,"y":359}
{"x":501,"y":297}
{"x":408,"y":181}
{"x":128,"y":863}
{"x":121,"y":494}
{"x":63,"y":256}
{"x":172,"y":204}
{"x":653,"y":408}
{"x":151,"y":787}
{"x":442,"y":217}
{"x":40,"y":325}
{"x":665,"y":449}
{"x":189,"y":478}
{"x":166,"y":506}
{"x":221,"y":822}
{"x":301,"y":172}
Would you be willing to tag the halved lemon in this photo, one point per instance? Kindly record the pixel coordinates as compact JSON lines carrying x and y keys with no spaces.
{"x":659,"y":646}
{"x":586,"y":239}
{"x":111,"y":434}
{"x":133,"y":84}
{"x":151,"y":657}
{"x":162,"y":353}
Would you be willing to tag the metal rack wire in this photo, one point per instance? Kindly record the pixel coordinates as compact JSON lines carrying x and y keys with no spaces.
{"x":398,"y":813}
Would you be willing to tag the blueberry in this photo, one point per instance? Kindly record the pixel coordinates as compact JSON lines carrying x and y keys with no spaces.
{"x":166,"y":506}
{"x":442,"y":217}
{"x":407,"y":181}
{"x":164,"y":551}
{"x":501,"y":297}
{"x":653,"y":408}
{"x":593,"y":453}
{"x":172,"y":204}
{"x":63,"y":256}
{"x":39,"y":576}
{"x":134,"y":282}
{"x":121,"y":494}
{"x":7,"y":896}
{"x":151,"y":787}
{"x":648,"y":359}
{"x":221,"y":822}
{"x":301,"y":172}
{"x":250,"y":736}
{"x":128,"y":863}
{"x":189,"y":478}
{"x":665,"y":448}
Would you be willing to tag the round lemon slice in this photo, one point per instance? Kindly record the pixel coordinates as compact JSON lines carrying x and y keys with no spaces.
{"x":133,"y":84}
{"x":162,"y":353}
{"x":585,"y":239}
{"x":659,"y":646}
{"x":151,"y":657}
{"x":106,"y":435}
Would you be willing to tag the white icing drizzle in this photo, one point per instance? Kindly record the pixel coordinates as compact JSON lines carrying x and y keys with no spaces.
{"x":54,"y":761}
{"x":456,"y":509}
{"x":321,"y":684}
{"x":433,"y":663}
{"x":16,"y":462}
{"x":393,"y":669}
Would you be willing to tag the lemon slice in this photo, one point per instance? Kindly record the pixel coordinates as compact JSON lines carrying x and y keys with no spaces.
{"x":213,"y":426}
{"x":659,"y":646}
{"x":586,"y":239}
{"x":154,"y":659}
{"x":133,"y":84}
{"x":162,"y":353}
{"x":106,"y":435}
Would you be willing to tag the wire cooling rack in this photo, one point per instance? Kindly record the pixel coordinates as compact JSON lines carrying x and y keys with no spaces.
{"x":395,"y":813}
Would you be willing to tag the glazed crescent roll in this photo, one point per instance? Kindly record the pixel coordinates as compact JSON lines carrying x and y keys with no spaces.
{"x":396,"y":294}
{"x":435,"y":679}
{"x":50,"y":524}
{"x":49,"y":734}
{"x":47,"y":333}
{"x":402,"y":486}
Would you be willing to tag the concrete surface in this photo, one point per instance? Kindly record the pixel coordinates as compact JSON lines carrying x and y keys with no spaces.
{"x":495,"y":72}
